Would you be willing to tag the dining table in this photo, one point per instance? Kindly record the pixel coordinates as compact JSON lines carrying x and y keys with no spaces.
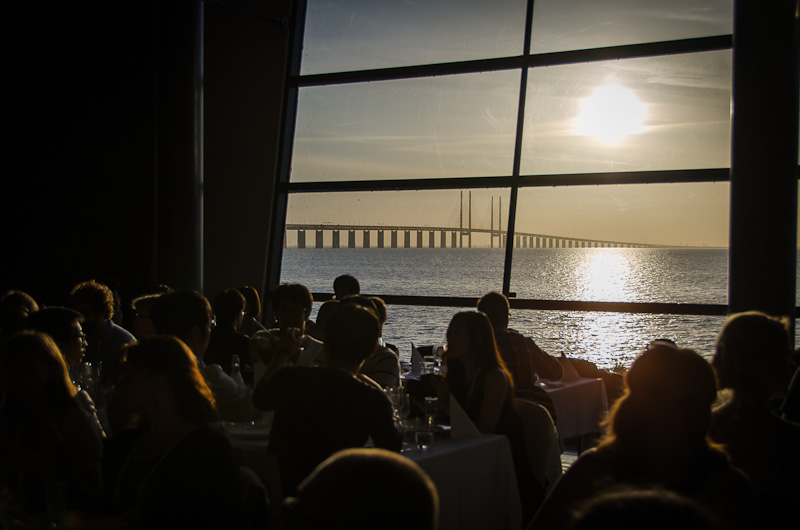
{"x":475,"y":480}
{"x":581,"y":404}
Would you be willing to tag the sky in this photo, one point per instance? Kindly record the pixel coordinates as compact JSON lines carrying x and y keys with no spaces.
{"x":628,"y":115}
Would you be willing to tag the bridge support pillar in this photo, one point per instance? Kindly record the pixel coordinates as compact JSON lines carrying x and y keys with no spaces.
{"x":394,"y":238}
{"x":454,"y":240}
{"x":380,"y":238}
{"x":351,"y":239}
{"x":419,"y":238}
{"x":335,"y":242}
{"x":431,"y":239}
{"x":444,"y":239}
{"x":320,"y":239}
{"x":366,"y":238}
{"x":407,"y":239}
{"x":301,"y":239}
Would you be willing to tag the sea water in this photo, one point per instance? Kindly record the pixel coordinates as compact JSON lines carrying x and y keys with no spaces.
{"x":609,"y":339}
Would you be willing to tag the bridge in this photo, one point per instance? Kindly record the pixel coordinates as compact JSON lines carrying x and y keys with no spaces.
{"x":447,"y":237}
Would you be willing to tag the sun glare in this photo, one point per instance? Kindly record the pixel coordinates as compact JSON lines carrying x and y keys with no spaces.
{"x":610,"y":114}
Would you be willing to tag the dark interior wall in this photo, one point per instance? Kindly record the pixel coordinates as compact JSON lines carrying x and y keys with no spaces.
{"x":244,"y":67}
{"x":99,"y":168}
{"x":80,"y":161}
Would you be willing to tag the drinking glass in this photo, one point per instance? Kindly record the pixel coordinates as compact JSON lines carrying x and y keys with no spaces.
{"x":431,"y":411}
{"x":424,"y":438}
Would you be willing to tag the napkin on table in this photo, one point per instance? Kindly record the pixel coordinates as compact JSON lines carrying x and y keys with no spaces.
{"x":461,"y":427}
{"x":416,"y":360}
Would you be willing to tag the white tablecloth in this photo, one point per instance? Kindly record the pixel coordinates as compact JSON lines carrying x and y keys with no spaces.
{"x":476,"y":482}
{"x":580,"y":405}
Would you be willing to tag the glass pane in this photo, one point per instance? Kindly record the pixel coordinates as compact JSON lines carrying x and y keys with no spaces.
{"x":561,"y":25}
{"x":613,"y":339}
{"x":447,"y":126}
{"x":574,"y":243}
{"x":656,"y":113}
{"x":346,"y":35}
{"x":411,"y":238}
{"x":610,"y":340}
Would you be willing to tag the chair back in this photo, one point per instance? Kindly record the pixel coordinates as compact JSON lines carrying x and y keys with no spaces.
{"x":543,"y":448}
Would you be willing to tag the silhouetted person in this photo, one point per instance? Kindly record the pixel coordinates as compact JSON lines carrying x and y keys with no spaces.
{"x":657,"y":437}
{"x":345,"y":285}
{"x":226,"y":341}
{"x":252,"y":311}
{"x":478,"y":379}
{"x":364,"y":489}
{"x":173,"y":470}
{"x":105,"y":338}
{"x":186,"y":314}
{"x":752,"y":359}
{"x":291,"y":303}
{"x":524,"y":359}
{"x":321,"y":410}
{"x":46,"y":435}
{"x":317,"y":330}
{"x":383,"y":365}
{"x":142,"y":323}
{"x":15,"y":306}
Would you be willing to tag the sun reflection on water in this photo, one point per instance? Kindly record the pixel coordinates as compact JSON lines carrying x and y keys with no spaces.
{"x":604,"y":275}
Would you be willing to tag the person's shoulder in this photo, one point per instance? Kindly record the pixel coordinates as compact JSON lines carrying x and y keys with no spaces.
{"x":119,"y":333}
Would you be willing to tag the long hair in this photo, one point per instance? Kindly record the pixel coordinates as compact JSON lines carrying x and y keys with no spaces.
{"x":168,"y":355}
{"x":483,"y":349}
{"x":33,"y":346}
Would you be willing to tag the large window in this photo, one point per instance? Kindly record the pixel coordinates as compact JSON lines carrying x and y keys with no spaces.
{"x":574,"y":157}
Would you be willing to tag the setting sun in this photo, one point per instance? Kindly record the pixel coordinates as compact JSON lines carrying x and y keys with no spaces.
{"x":610,"y":114}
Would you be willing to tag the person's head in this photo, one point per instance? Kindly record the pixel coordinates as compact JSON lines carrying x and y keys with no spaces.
{"x":345,"y":285}
{"x":496,"y":307}
{"x":292,"y":304}
{"x":360,"y":489}
{"x":380,"y":307}
{"x":668,"y":397}
{"x":252,"y":307}
{"x":143,"y":326}
{"x":325,"y":311}
{"x":229,"y":308}
{"x":470,"y":339}
{"x":753,"y":355}
{"x":64,"y":327}
{"x":635,"y":509}
{"x":661,"y":342}
{"x":35,"y":369}
{"x":351,"y":333}
{"x":186,"y":314}
{"x":162,"y":366}
{"x":15,"y":307}
{"x":95,"y":301}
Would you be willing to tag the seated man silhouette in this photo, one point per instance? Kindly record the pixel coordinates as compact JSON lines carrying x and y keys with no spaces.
{"x":105,"y":339}
{"x":524,"y":359}
{"x":291,"y":303}
{"x":345,"y":285}
{"x":226,"y":340}
{"x":383,"y":366}
{"x":321,"y":410}
{"x":186,"y":314}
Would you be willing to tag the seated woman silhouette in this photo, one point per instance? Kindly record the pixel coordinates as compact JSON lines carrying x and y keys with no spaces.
{"x":46,"y":437}
{"x":479,"y":380}
{"x":657,"y":438}
{"x":753,"y":360}
{"x":172,"y":469}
